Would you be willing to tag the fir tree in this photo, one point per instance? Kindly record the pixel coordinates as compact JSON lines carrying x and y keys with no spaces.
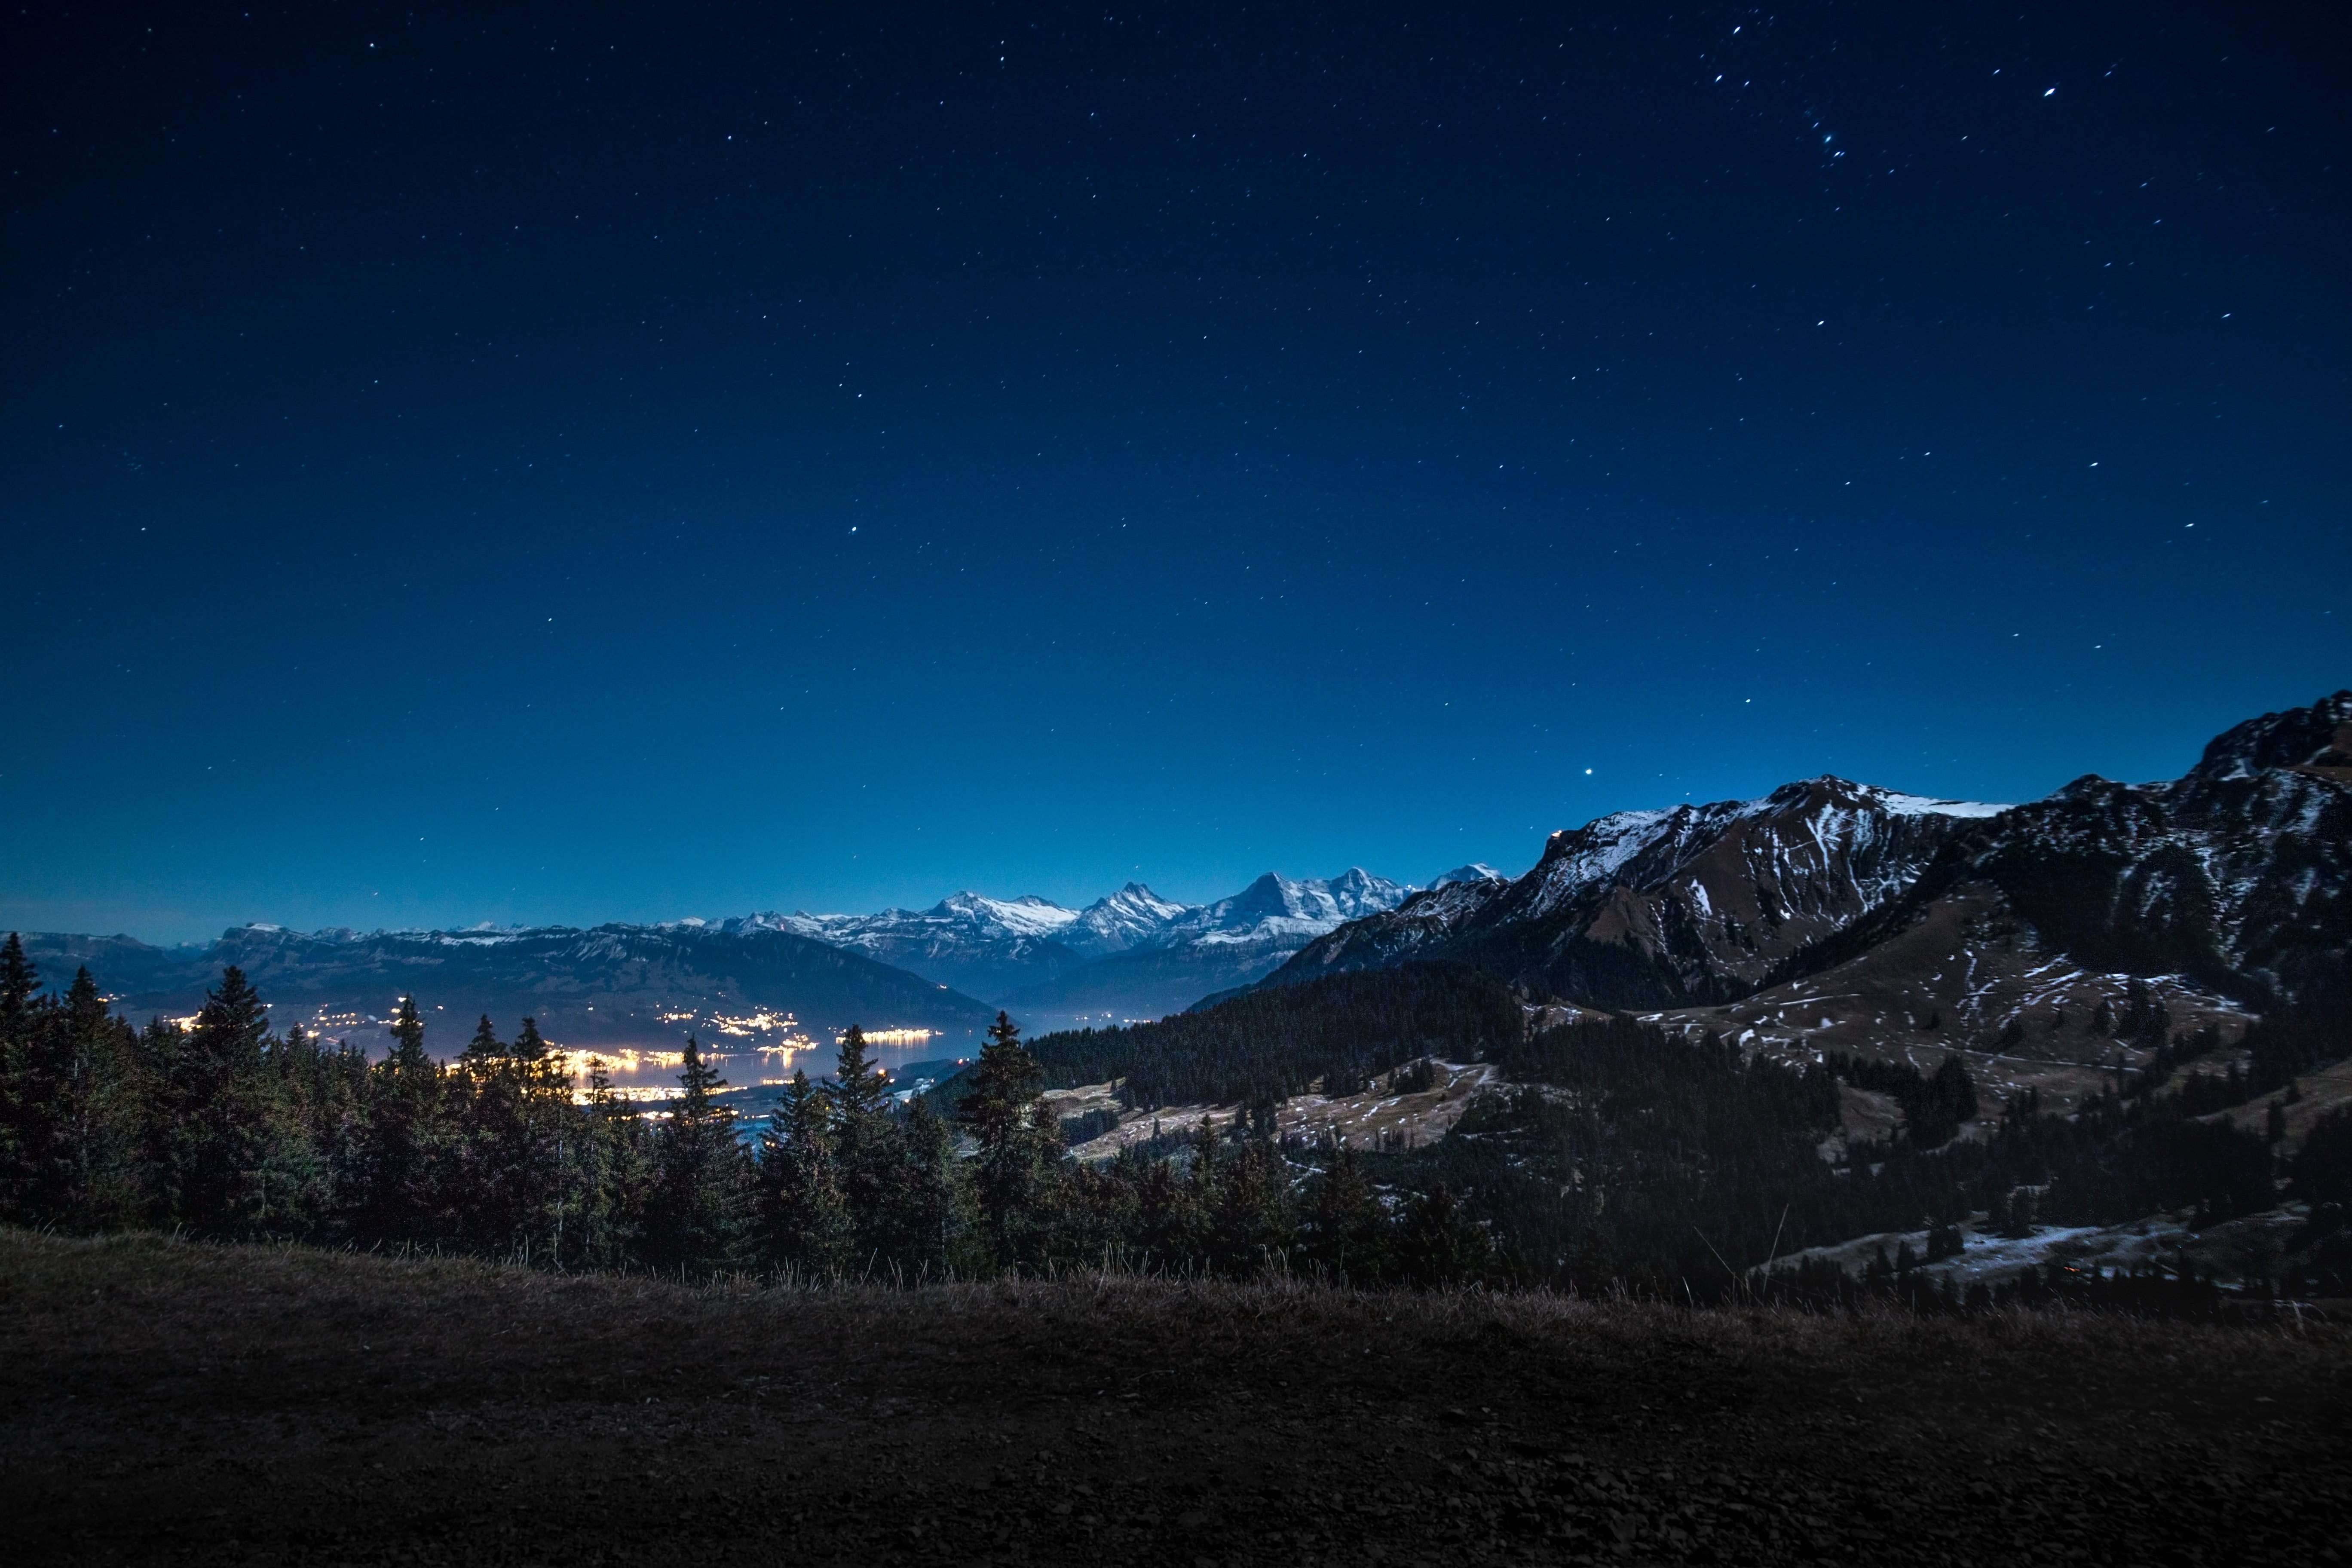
{"x":615,"y":1172}
{"x":866,"y":1150}
{"x":696,"y":1220}
{"x":1349,"y":1224}
{"x":19,"y":982}
{"x":1000,"y":1109}
{"x":805,"y":1223}
{"x":237,"y":1162}
{"x":932,"y":1196}
{"x":485,"y":1050}
{"x":1439,"y":1242}
{"x":408,"y":1141}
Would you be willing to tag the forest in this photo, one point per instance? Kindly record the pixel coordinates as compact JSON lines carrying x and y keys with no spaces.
{"x":1621,"y":1157}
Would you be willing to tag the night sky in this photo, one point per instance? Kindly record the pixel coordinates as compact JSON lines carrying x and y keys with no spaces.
{"x":584,"y":462}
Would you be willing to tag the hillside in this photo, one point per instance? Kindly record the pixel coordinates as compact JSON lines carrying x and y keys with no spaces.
{"x":2230,"y":887}
{"x":213,"y":1404}
{"x":1656,"y":908}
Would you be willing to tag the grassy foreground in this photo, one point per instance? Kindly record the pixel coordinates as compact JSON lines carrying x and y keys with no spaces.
{"x":162,"y":1400}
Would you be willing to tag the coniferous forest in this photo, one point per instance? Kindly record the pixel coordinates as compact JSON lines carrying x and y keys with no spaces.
{"x":1621,"y":1156}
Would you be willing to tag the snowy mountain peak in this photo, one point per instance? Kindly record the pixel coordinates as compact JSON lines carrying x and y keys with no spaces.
{"x":1133,"y":917}
{"x":1476,"y":871}
{"x":1274,"y":908}
{"x":1026,"y":916}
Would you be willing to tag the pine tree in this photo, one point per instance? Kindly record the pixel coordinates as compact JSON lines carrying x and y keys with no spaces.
{"x":1439,"y":1243}
{"x":71,"y":1060}
{"x":484,"y":1051}
{"x":1251,"y":1225}
{"x":865,"y":1144}
{"x":613,"y":1175}
{"x":405,"y":1180}
{"x":805,"y":1222}
{"x":236,"y":1159}
{"x":696,"y":1220}
{"x":18,"y":981}
{"x":1349,"y":1224}
{"x":932,"y":1196}
{"x":1000,"y":1109}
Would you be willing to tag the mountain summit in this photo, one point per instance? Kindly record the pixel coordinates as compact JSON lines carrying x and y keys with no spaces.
{"x":1664,"y":908}
{"x":1829,"y":912}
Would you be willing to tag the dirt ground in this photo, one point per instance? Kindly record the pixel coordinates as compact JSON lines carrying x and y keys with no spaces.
{"x":164,"y":1401}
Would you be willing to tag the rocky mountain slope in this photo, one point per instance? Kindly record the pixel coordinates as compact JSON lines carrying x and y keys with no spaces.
{"x":2229,"y":890}
{"x":614,"y":984}
{"x":1662,"y":908}
{"x":2102,"y":913}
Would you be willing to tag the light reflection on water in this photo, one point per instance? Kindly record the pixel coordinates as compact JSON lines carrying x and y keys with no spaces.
{"x":755,"y":1077}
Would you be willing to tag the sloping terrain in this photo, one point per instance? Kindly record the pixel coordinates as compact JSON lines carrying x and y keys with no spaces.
{"x":1661,"y":908}
{"x":1837,"y":916}
{"x":1970,"y":975}
{"x":611,"y":985}
{"x":2237,"y":876}
{"x":1149,"y":983}
{"x":203,"y":1404}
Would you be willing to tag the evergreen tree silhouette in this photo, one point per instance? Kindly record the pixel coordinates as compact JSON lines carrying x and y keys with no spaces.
{"x":1349,"y":1224}
{"x":1439,"y":1242}
{"x":865,"y":1144}
{"x":408,"y":1141}
{"x":697,"y":1221}
{"x":1000,"y":1111}
{"x":804,"y":1221}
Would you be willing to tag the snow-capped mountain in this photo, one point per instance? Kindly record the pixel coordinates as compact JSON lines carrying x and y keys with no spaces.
{"x":2237,"y":876}
{"x":1004,"y":949}
{"x":1208,"y":948}
{"x":1134,"y":917}
{"x":1476,"y":871}
{"x":1275,"y":908}
{"x":1827,"y":906}
{"x":1662,"y":908}
{"x":988,"y":947}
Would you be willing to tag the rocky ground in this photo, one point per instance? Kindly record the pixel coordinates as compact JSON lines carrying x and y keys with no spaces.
{"x":166,"y":1401}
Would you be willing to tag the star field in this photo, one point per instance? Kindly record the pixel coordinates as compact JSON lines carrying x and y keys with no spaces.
{"x":595,"y":462}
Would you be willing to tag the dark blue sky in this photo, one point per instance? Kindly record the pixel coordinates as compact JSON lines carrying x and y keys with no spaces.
{"x":631,"y":462}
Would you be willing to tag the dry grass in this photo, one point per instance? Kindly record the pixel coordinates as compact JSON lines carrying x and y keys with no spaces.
{"x":212,"y":1404}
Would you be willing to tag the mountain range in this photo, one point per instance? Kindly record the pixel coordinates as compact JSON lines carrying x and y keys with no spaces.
{"x":1825,"y":913}
{"x":764,"y":978}
{"x":1132,"y":954}
{"x":1837,"y":915}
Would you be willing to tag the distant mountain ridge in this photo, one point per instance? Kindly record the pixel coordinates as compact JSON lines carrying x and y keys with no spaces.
{"x":1130,"y":954}
{"x":2235,"y":881}
{"x":613,"y":984}
{"x":945,"y":968}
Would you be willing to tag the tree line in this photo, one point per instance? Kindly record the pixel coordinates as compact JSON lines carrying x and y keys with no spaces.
{"x":227,"y":1129}
{"x":1623,"y":1156}
{"x":1338,"y":1031}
